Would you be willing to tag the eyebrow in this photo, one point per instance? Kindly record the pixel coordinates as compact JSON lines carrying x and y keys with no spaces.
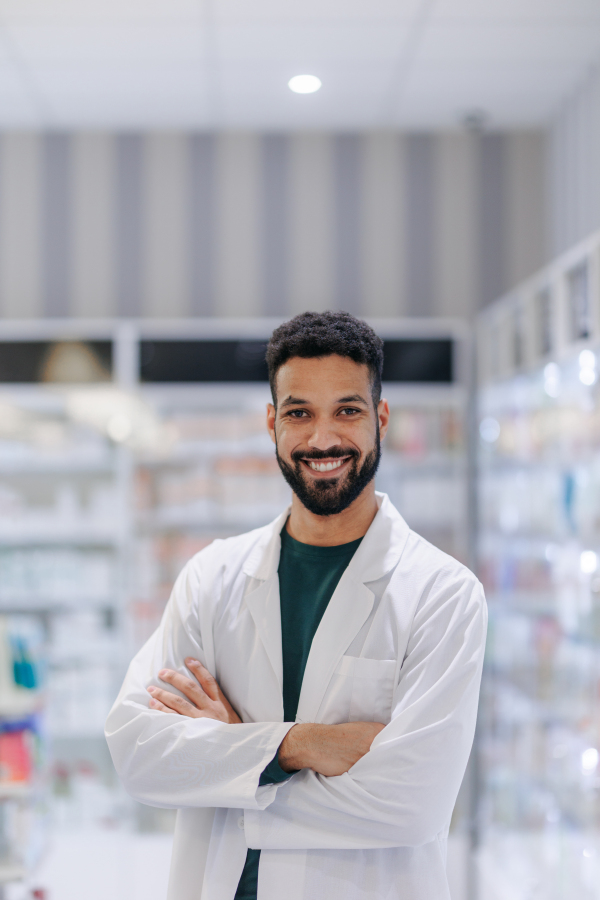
{"x":354,"y":398}
{"x":293,"y":401}
{"x":296,"y":401}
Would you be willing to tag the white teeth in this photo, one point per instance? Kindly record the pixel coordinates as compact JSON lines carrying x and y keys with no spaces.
{"x":325,"y":467}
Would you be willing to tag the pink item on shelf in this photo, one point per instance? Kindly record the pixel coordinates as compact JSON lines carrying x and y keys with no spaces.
{"x":15,"y":758}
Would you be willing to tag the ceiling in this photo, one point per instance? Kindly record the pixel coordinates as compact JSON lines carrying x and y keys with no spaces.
{"x":226,"y":63}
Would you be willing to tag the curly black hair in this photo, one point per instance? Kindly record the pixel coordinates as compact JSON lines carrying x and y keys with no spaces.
{"x":313,"y":334}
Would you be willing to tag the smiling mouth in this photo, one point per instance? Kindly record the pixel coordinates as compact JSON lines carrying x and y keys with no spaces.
{"x":325,"y":465}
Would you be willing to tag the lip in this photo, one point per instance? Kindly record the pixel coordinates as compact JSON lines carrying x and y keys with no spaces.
{"x":332,"y":473}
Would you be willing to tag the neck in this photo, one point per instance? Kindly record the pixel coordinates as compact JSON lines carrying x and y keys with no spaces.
{"x":329,"y":531}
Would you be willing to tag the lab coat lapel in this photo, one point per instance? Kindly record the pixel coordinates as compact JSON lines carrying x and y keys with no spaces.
{"x":351,"y":604}
{"x":345,"y":615}
{"x":262,"y":596}
{"x":263,"y":603}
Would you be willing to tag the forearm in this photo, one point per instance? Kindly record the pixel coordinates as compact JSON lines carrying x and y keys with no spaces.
{"x":401,"y":793}
{"x":326,"y":749}
{"x":173,"y":761}
{"x":165,"y":759}
{"x":313,"y":812}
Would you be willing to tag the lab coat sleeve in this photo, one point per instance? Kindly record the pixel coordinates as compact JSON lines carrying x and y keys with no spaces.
{"x":169,"y":760}
{"x":402,"y":792}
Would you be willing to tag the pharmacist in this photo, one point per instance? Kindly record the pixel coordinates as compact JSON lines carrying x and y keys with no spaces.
{"x":308,"y":702}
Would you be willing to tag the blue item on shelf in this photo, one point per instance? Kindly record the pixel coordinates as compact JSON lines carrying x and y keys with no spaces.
{"x":23,"y":668}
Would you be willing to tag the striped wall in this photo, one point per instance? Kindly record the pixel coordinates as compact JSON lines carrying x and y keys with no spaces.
{"x":574,"y":168}
{"x":244,"y":224}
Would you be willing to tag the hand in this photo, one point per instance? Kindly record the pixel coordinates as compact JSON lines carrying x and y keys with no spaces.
{"x":205,"y":699}
{"x":327,"y":749}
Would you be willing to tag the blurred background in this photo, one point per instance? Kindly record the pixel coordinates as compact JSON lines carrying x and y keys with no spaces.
{"x":169,"y":192}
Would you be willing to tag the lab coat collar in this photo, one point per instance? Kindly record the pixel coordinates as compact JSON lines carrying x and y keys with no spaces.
{"x":263,"y":561}
{"x":379,"y":552}
{"x":382,"y":545}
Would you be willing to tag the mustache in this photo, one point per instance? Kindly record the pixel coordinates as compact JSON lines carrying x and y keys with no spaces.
{"x":334,"y":453}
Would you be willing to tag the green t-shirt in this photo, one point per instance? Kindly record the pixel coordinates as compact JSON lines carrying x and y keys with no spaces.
{"x":308,"y":576}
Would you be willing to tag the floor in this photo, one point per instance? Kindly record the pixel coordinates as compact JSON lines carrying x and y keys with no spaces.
{"x":96,"y":864}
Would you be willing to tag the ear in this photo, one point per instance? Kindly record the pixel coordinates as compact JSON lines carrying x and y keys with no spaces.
{"x":383,"y":414}
{"x":271,"y":416}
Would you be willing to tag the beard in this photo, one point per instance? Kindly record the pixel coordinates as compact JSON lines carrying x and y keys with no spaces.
{"x":330,"y":496}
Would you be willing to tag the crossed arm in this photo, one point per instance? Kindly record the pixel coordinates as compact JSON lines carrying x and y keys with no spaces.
{"x":394,"y":786}
{"x":326,"y":749}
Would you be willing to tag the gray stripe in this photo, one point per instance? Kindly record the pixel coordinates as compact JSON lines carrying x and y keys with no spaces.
{"x":420,"y":221}
{"x":275,"y":154}
{"x":492,"y":217}
{"x":2,"y":241}
{"x":128,"y":250}
{"x":347,"y":207}
{"x":56,"y":224}
{"x":202,"y":219}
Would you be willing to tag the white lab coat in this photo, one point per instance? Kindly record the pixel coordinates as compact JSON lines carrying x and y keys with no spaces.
{"x":401,"y":642}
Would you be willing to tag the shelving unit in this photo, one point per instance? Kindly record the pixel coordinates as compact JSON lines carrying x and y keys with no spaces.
{"x":106,"y":490}
{"x":23,"y":763}
{"x":65,"y":533}
{"x":539,"y":550}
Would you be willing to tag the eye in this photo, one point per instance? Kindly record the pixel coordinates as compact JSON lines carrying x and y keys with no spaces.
{"x":297,"y":414}
{"x":349,"y":411}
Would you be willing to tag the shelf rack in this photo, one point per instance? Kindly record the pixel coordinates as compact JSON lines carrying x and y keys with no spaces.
{"x":148,"y":546}
{"x":539,"y":557}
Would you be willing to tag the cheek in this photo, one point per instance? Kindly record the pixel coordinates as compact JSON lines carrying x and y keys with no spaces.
{"x":286,"y":437}
{"x":362,"y":434}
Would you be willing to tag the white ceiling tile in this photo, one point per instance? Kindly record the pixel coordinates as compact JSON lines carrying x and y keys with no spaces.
{"x":449,"y":93}
{"x":315,"y":10}
{"x":533,"y":44}
{"x":489,"y":80}
{"x":47,"y":11}
{"x":337,"y":78}
{"x":517,"y":10}
{"x":216,"y":62}
{"x":149,"y":83}
{"x":104,"y":45}
{"x":308,"y":45}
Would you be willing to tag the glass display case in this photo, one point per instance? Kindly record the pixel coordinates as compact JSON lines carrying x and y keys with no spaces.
{"x":539,"y":556}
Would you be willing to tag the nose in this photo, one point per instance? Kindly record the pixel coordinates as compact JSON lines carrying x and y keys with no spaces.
{"x":323,"y":436}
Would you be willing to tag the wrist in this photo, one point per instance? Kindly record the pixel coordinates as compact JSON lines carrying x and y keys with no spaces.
{"x":294,"y":750}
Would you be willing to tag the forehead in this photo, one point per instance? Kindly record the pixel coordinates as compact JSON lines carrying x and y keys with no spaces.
{"x":323,"y":378}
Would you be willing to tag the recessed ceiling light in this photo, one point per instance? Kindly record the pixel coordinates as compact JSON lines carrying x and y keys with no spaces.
{"x":304,"y":84}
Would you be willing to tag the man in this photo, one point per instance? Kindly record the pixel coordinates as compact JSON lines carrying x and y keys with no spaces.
{"x":309,"y":700}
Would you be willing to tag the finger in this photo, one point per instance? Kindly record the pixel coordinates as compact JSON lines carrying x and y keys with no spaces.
{"x":156,"y":704}
{"x":174,"y":702}
{"x":207,"y":681}
{"x":192,"y":690}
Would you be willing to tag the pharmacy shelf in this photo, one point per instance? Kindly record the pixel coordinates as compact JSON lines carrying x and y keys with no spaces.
{"x":174,"y":519}
{"x":189,"y":454}
{"x":12,"y":872}
{"x":408,"y":468}
{"x":71,"y":537}
{"x":16,"y":791}
{"x":56,"y":467}
{"x":20,"y":702}
{"x":36,"y":604}
{"x":539,"y":482}
{"x":147,"y":548}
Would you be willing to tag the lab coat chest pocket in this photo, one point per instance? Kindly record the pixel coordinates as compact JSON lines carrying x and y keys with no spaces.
{"x":363,"y":689}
